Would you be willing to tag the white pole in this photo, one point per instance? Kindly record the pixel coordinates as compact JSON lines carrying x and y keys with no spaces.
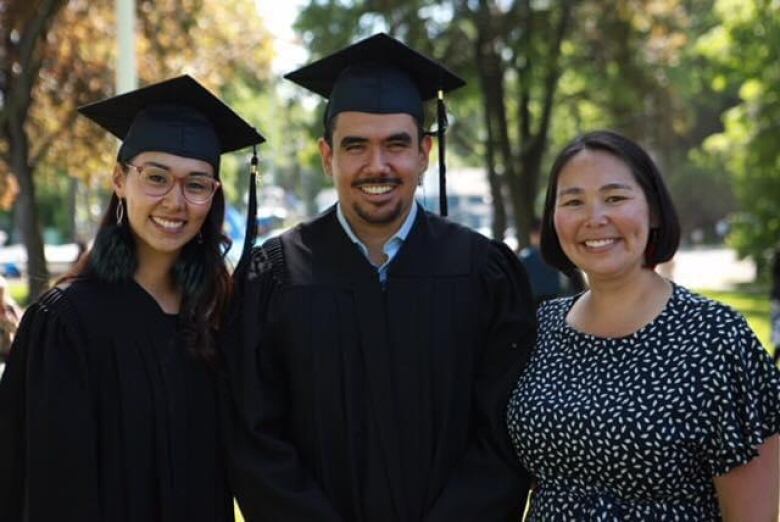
{"x":126,"y":68}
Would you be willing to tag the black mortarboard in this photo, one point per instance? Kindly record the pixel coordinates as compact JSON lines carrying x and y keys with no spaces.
{"x":178,"y":116}
{"x":381,"y":75}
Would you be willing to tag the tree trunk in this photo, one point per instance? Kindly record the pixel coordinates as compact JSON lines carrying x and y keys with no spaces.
{"x":486,"y":77}
{"x":491,"y":70}
{"x":37,"y":271}
{"x":533,"y":144}
{"x":23,"y":59}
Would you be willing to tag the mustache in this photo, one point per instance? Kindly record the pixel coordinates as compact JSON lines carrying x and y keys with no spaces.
{"x":376,"y":181}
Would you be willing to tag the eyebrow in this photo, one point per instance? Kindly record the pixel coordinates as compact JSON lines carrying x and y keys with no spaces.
{"x":168,"y":168}
{"x":352,"y":140}
{"x":402,"y":137}
{"x":605,"y":188}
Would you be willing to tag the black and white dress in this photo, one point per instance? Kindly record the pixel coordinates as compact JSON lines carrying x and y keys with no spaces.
{"x":634,"y":428}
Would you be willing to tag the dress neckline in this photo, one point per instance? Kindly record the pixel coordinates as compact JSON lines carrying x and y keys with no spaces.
{"x":653,"y":323}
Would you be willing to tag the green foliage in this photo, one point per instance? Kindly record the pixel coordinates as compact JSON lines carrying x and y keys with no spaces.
{"x":289,"y":158}
{"x":745,"y":46}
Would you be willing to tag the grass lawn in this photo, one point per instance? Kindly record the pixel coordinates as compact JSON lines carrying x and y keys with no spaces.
{"x":18,"y":290}
{"x":754,"y":305}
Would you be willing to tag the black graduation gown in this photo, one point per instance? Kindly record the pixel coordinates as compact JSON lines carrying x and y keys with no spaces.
{"x":356,"y":403}
{"x":104,"y":417}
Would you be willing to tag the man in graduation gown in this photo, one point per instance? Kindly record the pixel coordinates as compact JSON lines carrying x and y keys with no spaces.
{"x":372,"y":350}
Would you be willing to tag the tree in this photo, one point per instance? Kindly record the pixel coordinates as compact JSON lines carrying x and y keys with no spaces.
{"x":636,"y":69}
{"x":220,"y":42}
{"x":24,"y":29}
{"x":746,"y":47}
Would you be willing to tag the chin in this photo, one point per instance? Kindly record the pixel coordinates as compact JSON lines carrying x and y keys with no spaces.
{"x":382,"y":217}
{"x":168,"y":247}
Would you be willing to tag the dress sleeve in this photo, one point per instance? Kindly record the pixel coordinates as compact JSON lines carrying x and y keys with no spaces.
{"x":48,"y":463}
{"x":746,"y":404}
{"x":490,"y":483}
{"x":266,"y":473}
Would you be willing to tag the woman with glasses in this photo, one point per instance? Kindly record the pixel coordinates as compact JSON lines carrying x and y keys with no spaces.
{"x":108,"y":407}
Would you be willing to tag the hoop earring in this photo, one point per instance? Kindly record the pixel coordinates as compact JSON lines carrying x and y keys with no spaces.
{"x":120,"y":213}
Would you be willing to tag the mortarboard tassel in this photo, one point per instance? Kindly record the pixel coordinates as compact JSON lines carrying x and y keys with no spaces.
{"x":251,"y":212}
{"x":441,"y":117}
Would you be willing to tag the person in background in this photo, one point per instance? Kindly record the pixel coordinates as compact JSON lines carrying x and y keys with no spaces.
{"x":643,"y":400}
{"x":9,"y":319}
{"x":374,"y":348}
{"x":108,"y":405}
{"x":547,"y":282}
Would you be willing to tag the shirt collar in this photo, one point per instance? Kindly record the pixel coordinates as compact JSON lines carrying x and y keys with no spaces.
{"x":392,"y":245}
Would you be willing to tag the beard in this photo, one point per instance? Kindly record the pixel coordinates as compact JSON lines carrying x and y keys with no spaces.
{"x":381,"y":217}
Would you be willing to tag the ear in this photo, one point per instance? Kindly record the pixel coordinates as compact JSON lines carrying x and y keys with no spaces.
{"x":326,"y":154}
{"x":425,"y":152}
{"x":119,"y":181}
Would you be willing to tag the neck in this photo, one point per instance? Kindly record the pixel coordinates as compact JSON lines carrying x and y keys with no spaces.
{"x":374,"y":237}
{"x":619,"y":307}
{"x":154,"y":274}
{"x":375,"y":244}
{"x":625,"y":289}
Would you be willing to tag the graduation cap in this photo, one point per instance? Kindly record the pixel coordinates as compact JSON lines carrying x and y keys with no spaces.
{"x":381,"y":75}
{"x":178,"y":116}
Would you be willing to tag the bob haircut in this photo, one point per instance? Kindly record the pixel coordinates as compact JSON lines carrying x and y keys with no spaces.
{"x":663,"y":239}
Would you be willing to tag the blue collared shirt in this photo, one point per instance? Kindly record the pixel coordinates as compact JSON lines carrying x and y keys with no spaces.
{"x":392,"y":246}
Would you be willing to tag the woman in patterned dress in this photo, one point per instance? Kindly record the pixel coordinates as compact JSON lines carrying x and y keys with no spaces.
{"x":643,"y":401}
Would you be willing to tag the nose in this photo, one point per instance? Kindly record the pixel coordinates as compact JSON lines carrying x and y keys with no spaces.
{"x":596,"y":215}
{"x":376,"y":161}
{"x":175,"y":197}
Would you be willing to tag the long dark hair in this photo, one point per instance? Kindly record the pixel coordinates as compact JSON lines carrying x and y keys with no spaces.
{"x":200,"y":272}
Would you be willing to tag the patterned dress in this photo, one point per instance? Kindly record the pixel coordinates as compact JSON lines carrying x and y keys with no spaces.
{"x":635,"y":427}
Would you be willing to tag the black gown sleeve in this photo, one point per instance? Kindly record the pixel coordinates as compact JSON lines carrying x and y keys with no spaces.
{"x":48,"y":462}
{"x":266,"y":473}
{"x":489,"y":483}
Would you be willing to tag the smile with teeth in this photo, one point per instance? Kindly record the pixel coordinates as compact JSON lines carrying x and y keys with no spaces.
{"x":599,"y":243}
{"x":168,"y":224}
{"x":379,"y":188}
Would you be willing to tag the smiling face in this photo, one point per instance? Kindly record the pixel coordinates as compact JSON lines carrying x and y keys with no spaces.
{"x":375,"y":161}
{"x":602,"y":217}
{"x":161,"y":225}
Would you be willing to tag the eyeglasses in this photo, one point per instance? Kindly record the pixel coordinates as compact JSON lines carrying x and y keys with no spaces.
{"x":157,"y":182}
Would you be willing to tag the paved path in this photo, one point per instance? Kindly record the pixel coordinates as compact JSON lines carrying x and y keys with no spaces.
{"x":711,"y":269}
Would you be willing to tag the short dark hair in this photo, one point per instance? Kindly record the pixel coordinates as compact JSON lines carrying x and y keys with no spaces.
{"x":663,"y":239}
{"x":330,"y":127}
